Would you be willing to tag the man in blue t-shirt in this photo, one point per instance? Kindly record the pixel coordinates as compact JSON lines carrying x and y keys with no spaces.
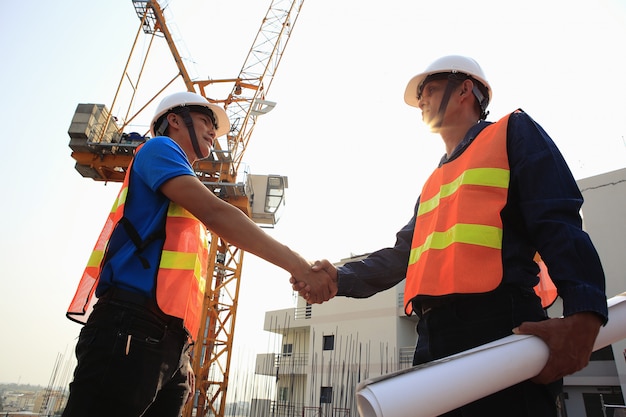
{"x":133,"y":352}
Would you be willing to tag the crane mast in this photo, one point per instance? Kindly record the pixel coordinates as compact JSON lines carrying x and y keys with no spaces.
{"x":102,"y":148}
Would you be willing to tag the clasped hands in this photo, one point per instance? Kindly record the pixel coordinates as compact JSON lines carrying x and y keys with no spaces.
{"x":318,"y":284}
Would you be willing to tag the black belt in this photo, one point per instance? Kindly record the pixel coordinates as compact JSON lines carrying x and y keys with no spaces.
{"x":135,"y":300}
{"x":424,"y":306}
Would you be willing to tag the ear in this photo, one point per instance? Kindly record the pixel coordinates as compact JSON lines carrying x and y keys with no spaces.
{"x":466,"y":88}
{"x":173,"y":121}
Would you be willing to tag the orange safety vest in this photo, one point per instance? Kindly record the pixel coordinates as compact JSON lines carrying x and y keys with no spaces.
{"x":182,"y":273}
{"x":546,"y":290}
{"x":457,"y":242}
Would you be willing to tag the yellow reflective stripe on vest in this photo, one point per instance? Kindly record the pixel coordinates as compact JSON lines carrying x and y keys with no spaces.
{"x":121,"y":198}
{"x":473,"y":234}
{"x":175,"y":210}
{"x":489,"y":177}
{"x":95,"y":259}
{"x":179,"y":260}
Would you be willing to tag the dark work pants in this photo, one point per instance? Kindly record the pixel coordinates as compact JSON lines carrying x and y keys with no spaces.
{"x":470,"y":321}
{"x":131,"y":363}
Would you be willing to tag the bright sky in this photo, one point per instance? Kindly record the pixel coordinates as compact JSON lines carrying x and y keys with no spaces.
{"x":356,"y":156}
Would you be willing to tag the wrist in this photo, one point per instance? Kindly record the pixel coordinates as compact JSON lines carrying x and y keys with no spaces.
{"x":298,"y":264}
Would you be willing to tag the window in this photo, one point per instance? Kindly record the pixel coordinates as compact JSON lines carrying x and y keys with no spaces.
{"x":329,"y":342}
{"x":326,"y":395}
{"x":287,"y":349}
{"x":274,"y":193}
{"x":283,"y":394}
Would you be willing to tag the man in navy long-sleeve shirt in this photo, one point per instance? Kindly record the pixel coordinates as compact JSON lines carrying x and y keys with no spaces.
{"x":535,"y":210}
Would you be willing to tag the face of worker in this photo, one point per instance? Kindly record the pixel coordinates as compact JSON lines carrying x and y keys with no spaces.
{"x":429,"y":102}
{"x":205,"y":132}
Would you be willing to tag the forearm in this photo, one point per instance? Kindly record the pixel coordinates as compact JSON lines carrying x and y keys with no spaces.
{"x":236,"y":228}
{"x":230,"y":223}
{"x":380,"y":270}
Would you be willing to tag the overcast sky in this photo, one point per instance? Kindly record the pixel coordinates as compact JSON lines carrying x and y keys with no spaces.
{"x":356,"y":156}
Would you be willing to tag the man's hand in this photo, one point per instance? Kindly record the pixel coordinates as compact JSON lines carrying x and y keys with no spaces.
{"x":570,"y":341}
{"x":317,"y":292}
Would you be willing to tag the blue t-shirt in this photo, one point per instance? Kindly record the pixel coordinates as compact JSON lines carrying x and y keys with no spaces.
{"x":127,"y":267}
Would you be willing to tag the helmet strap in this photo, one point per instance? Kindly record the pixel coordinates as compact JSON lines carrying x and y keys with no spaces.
{"x":186,"y":114}
{"x":162,"y":127}
{"x":452,"y":84}
{"x":482,"y":101}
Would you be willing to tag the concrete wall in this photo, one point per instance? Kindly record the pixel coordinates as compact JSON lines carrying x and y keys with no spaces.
{"x":604,"y":214}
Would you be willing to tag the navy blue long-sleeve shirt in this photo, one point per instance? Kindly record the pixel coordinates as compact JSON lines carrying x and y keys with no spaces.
{"x":542,"y":214}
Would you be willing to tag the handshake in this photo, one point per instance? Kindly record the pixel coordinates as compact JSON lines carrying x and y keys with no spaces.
{"x":317,"y":283}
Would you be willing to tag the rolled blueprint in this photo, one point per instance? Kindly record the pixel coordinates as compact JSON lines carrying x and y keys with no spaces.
{"x":471,"y":375}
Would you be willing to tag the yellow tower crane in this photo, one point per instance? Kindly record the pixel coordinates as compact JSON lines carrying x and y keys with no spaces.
{"x":102,"y":147}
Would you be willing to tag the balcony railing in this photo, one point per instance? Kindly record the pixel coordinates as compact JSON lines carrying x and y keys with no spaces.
{"x":303,"y":313}
{"x":295,"y":363}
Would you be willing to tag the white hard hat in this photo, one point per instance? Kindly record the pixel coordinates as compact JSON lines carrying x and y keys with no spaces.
{"x":187,"y":98}
{"x":446,"y":64}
